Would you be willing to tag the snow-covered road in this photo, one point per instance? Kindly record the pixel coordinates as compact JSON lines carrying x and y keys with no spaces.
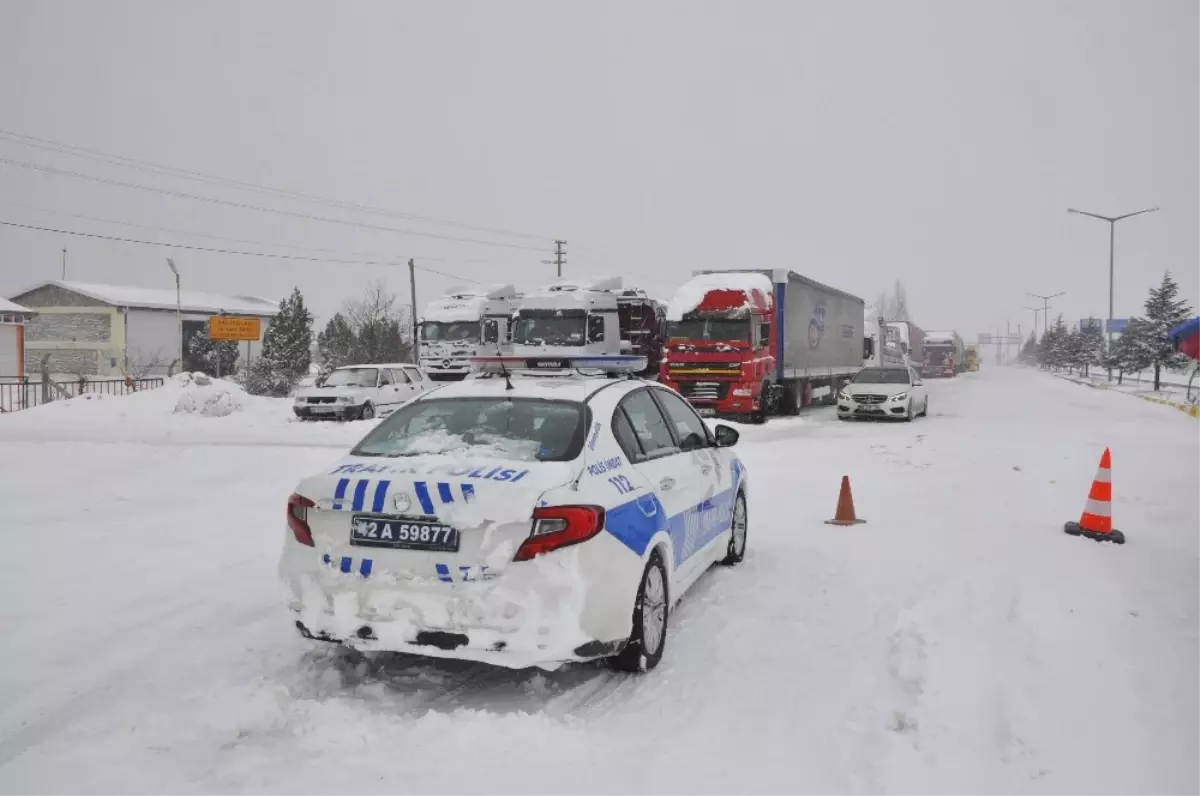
{"x":957,"y":642}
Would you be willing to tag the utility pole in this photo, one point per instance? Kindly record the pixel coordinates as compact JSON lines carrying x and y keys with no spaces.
{"x":559,"y":257}
{"x":1045,"y":309}
{"x":1035,"y":311}
{"x":64,"y":276}
{"x":1112,"y":236}
{"x":179,"y":317}
{"x":412,"y":292}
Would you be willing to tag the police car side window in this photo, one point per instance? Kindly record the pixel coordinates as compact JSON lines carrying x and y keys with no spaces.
{"x":649,"y":425}
{"x":625,"y":436}
{"x":689,"y":428}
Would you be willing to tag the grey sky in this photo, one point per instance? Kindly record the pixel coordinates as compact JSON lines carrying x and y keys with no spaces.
{"x":935,"y":142}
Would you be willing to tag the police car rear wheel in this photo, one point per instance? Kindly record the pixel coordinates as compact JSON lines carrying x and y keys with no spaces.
{"x":737,"y":539}
{"x":651,"y":614}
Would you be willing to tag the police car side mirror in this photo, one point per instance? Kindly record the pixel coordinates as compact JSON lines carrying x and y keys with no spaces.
{"x":726,"y":437}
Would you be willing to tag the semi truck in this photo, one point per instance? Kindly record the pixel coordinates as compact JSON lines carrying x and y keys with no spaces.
{"x":905,"y":345}
{"x":945,"y":354}
{"x":972,"y":358}
{"x":461,"y":324}
{"x":752,"y":344}
{"x":590,"y":316}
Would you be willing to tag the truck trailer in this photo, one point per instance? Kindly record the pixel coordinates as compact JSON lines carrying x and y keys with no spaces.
{"x":905,"y":345}
{"x":756,"y":343}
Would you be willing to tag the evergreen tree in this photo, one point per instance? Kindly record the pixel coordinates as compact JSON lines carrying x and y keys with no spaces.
{"x":286,"y":350}
{"x":336,"y":343}
{"x":1056,"y":351}
{"x":1029,"y":350}
{"x":214,"y":357}
{"x":1164,"y":311}
{"x":1127,"y":354}
{"x":1090,"y":348}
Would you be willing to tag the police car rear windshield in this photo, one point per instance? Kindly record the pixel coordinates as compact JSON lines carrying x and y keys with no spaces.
{"x":521,"y":429}
{"x":882,"y":376}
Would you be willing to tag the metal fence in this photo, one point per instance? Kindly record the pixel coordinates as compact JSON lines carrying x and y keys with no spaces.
{"x":24,"y":392}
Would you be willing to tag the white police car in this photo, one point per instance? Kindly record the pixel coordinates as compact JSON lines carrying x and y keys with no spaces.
{"x":522,"y":521}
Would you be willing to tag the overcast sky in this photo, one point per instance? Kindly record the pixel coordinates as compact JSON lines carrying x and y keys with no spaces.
{"x":938,"y":143}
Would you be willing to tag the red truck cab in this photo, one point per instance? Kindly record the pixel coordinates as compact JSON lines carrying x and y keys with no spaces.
{"x":720,"y":355}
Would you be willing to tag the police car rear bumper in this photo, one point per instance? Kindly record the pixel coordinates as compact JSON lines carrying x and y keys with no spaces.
{"x":535,"y":613}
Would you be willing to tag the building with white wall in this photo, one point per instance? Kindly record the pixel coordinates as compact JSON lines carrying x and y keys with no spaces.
{"x":13,"y":318}
{"x":116,"y":330}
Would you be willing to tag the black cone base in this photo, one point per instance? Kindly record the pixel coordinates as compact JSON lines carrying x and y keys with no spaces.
{"x":1114,"y":536}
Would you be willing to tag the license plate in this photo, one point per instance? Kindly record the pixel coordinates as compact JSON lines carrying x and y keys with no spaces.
{"x":706,"y":411}
{"x":401,"y":534}
{"x":321,"y":410}
{"x":869,"y":410}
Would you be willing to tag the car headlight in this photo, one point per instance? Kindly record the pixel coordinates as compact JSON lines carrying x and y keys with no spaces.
{"x":900,"y":396}
{"x":345,"y":399}
{"x":845,"y":396}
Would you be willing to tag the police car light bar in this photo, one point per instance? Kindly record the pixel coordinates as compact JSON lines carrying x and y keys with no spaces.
{"x":623,"y":363}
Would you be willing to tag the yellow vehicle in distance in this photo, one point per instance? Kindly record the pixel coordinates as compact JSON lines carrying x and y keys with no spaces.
{"x":972,"y":357}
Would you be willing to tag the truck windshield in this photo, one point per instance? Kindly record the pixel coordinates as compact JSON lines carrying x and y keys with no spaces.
{"x":882,"y":376}
{"x":450,"y":331}
{"x":520,"y":429}
{"x":550,"y":327}
{"x":722,"y":329}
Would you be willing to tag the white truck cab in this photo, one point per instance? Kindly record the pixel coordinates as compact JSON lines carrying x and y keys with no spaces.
{"x":569,"y":318}
{"x":463,"y":323}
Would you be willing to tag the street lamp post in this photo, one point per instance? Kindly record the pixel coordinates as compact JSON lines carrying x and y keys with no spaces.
{"x":1112,"y":235}
{"x":178,"y":312}
{"x":1045,"y":310}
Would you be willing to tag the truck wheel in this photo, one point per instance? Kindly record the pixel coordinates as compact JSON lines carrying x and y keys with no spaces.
{"x":791,"y":402}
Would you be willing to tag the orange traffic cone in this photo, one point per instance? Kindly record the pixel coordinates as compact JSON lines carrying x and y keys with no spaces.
{"x":845,"y":506}
{"x":1096,"y":522}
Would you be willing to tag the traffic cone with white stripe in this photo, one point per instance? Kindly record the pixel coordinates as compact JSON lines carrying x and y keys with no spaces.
{"x":1096,"y":522}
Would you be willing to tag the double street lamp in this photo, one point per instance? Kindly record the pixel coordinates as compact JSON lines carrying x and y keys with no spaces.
{"x":1112,"y":234}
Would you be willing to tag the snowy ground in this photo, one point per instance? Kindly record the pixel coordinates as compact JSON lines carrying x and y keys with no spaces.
{"x":957,"y":642}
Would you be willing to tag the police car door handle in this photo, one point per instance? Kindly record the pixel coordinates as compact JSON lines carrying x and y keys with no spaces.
{"x":666,"y":483}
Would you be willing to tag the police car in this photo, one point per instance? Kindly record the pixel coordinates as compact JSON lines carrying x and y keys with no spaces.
{"x":522,"y":519}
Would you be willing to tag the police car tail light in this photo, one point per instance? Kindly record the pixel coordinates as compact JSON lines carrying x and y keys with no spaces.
{"x":560,"y":526}
{"x":297,"y":514}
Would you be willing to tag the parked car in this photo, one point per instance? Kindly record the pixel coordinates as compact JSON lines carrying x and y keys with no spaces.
{"x":360,"y":392}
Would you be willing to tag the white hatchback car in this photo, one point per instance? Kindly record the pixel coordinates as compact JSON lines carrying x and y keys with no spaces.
{"x":360,"y":392}
{"x":895,"y":392}
{"x":523,"y":523}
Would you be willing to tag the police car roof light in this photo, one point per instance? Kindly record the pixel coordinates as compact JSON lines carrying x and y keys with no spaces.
{"x":609,"y":363}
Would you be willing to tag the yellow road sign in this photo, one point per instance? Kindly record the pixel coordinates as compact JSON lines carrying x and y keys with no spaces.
{"x":229,"y":327}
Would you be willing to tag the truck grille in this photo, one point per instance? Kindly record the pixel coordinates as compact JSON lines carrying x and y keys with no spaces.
{"x":704,"y":390}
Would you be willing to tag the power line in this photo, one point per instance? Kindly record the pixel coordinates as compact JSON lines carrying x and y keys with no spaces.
{"x":260,"y":208}
{"x":271,"y":255}
{"x":157,"y":168}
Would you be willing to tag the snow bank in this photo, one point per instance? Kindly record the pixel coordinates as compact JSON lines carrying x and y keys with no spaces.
{"x":691,"y":293}
{"x":188,"y":407}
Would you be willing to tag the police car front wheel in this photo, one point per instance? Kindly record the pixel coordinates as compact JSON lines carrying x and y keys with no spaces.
{"x":651,"y":614}
{"x":737,"y":536}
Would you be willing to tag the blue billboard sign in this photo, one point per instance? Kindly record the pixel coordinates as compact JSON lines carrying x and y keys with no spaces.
{"x":1117,"y":325}
{"x":1087,"y":323}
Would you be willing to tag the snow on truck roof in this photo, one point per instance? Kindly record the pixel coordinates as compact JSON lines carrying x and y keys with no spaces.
{"x":165,"y":298}
{"x":692,"y":292}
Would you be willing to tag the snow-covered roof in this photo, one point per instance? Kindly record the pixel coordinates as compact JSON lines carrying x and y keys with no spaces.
{"x":164,"y":298}
{"x":691,"y":293}
{"x":9,"y":307}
